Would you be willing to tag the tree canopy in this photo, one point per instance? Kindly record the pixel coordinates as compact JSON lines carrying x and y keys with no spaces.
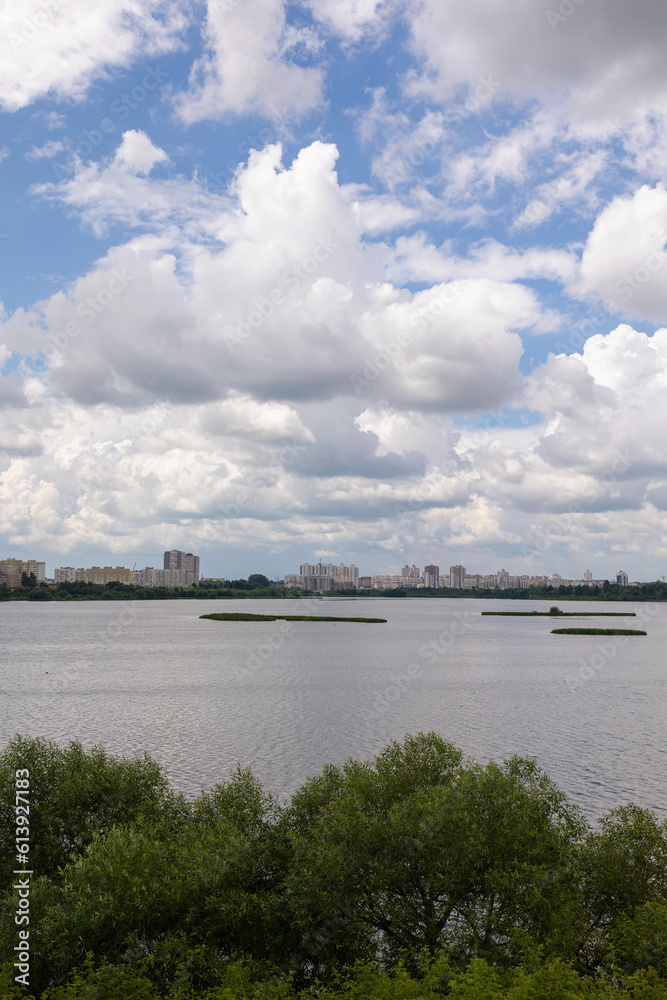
{"x":418,"y":874}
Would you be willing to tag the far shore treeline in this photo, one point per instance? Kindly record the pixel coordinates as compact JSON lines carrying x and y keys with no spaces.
{"x":418,"y":875}
{"x":257,"y":585}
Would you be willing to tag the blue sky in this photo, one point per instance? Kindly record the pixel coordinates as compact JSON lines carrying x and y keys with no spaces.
{"x":351,"y":280}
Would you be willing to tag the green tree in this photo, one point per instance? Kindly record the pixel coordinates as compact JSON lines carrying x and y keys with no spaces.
{"x":258,"y":580}
{"x":75,"y":795}
{"x":420,"y":850}
{"x":39,"y":594}
{"x":623,"y":871}
{"x":639,"y":940}
{"x":209,"y":885}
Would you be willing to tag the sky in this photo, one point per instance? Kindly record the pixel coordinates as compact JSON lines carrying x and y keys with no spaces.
{"x":339,"y":280}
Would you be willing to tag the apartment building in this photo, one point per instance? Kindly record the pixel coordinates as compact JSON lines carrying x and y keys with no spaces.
{"x":389,"y":582}
{"x":324,"y":576}
{"x":151,"y":577}
{"x":12,"y":570}
{"x":184,"y":561}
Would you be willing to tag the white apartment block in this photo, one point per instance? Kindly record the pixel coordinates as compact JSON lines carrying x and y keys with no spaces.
{"x":147,"y":577}
{"x":390,"y":582}
{"x":94,"y":574}
{"x":324,"y":576}
{"x":150,"y":577}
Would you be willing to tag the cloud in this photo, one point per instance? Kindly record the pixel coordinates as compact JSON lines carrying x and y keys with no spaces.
{"x":116,"y":192}
{"x":250,"y":368}
{"x":603,"y":430}
{"x":449,"y":348}
{"x":575,"y":184}
{"x":415,"y":258}
{"x":351,"y":19}
{"x":59,"y":49}
{"x":602,"y":59}
{"x":272,"y":291}
{"x":248,"y":66}
{"x":624,"y":258}
{"x":246,"y":418}
{"x":48,"y":150}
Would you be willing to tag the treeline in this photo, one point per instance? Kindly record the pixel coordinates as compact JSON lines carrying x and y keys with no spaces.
{"x":239,"y":589}
{"x":415,"y":876}
{"x":116,"y":591}
{"x":655,"y":591}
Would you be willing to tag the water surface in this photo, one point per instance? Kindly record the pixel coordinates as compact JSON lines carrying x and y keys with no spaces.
{"x":202,"y":696}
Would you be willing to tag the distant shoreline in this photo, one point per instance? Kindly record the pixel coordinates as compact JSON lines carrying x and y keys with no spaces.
{"x":69,"y":593}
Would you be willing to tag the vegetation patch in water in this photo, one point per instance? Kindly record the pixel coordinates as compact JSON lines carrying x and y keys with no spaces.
{"x":563,"y":614}
{"x":240,"y":617}
{"x":596,"y":631}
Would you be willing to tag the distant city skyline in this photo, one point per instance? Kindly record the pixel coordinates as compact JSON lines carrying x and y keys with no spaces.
{"x":329,"y":576}
{"x":185,"y":569}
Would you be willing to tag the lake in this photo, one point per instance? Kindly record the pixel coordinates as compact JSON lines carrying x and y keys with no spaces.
{"x":286,"y":698}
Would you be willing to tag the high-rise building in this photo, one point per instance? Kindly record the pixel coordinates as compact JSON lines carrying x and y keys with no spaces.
{"x":325,"y":576}
{"x":94,"y":574}
{"x":387,"y":582}
{"x":175,"y":559}
{"x":411,"y":572}
{"x":588,"y":576}
{"x":12,"y":570}
{"x":457,"y":577}
{"x":65,"y":574}
{"x":431,"y":576}
{"x":622,"y":578}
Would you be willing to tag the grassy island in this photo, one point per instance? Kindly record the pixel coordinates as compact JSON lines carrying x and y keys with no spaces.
{"x":596,"y":631}
{"x":240,"y":617}
{"x":562,"y":614}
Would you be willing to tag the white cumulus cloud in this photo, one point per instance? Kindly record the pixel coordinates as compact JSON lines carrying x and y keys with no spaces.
{"x":60,"y":48}
{"x":248,"y":67}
